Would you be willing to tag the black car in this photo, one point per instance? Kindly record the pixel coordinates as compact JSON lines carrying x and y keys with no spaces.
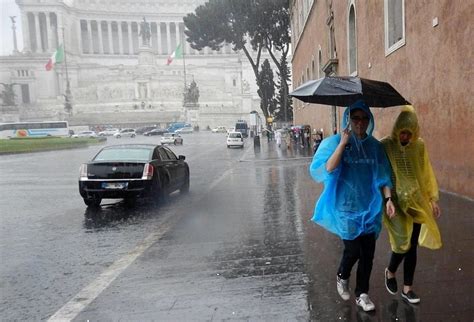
{"x":133,"y":171}
{"x":144,"y":129}
{"x":155,"y":131}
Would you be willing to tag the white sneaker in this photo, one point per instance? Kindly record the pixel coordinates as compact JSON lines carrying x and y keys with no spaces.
{"x":365,"y":303}
{"x":343,"y":288}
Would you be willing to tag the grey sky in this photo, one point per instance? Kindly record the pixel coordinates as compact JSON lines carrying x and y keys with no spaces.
{"x":9,"y":8}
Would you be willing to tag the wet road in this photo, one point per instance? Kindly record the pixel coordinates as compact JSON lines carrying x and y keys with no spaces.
{"x":239,"y":247}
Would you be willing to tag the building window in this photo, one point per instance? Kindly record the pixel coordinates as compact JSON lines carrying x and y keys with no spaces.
{"x":352,"y":45}
{"x":25,"y":94}
{"x":320,"y":62}
{"x":394,"y":13}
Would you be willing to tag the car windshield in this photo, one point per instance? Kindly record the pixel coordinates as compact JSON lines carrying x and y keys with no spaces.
{"x":131,"y":154}
{"x":168,"y":135}
{"x":235,"y":135}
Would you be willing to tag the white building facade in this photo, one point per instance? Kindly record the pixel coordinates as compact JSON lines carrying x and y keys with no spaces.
{"x":114,"y":77}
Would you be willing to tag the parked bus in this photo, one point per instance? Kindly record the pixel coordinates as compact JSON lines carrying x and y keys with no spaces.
{"x":242,"y":127}
{"x":33,"y":129}
{"x":177,"y":125}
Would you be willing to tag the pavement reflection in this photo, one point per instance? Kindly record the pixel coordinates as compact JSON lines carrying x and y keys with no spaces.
{"x":115,"y":215}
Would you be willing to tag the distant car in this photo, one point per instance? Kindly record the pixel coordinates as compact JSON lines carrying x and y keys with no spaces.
{"x":183,"y":130}
{"x":235,"y":139}
{"x":84,"y":134}
{"x":132,"y":171}
{"x":144,"y":129}
{"x":171,"y":138}
{"x":219,"y":129}
{"x":155,"y":132}
{"x":108,"y":132}
{"x":125,"y":132}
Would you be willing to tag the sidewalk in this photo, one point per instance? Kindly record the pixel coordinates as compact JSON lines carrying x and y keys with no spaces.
{"x":444,"y":279}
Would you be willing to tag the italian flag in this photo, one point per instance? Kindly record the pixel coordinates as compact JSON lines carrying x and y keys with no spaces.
{"x":56,"y":58}
{"x":177,"y":53}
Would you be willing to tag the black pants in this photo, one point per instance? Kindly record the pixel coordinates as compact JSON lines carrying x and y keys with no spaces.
{"x":409,"y":264}
{"x":360,"y":249}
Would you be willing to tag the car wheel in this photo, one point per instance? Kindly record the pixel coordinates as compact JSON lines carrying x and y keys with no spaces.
{"x":185,"y":186}
{"x":159,"y":190}
{"x":228,"y":146}
{"x":133,"y":135}
{"x":92,"y":202}
{"x":118,"y":137}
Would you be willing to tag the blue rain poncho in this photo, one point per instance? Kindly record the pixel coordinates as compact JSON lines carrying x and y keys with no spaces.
{"x":351,"y":202}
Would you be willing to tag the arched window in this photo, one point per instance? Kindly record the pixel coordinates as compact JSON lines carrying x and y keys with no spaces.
{"x":352,"y":41}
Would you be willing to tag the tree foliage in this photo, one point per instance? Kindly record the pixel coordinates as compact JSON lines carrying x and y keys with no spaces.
{"x":284,"y":111}
{"x":266,"y":89}
{"x":8,"y":94}
{"x":248,"y":25}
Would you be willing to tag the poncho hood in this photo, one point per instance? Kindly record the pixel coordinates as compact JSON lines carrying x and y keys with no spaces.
{"x":359,"y":105}
{"x":406,"y":121}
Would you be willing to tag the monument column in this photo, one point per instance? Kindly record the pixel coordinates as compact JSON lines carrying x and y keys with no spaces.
{"x":178,"y":38}
{"x":60,"y":26}
{"x":26,"y":31}
{"x":80,"y":42}
{"x":158,"y":38}
{"x":109,"y":34}
{"x":168,"y":39}
{"x":101,"y":41}
{"x":89,"y":32}
{"x":37,"y":33}
{"x":120,"y":36}
{"x":130,"y":43}
{"x":49,"y":32}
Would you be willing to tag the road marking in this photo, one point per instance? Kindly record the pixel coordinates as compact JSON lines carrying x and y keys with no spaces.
{"x":81,"y":300}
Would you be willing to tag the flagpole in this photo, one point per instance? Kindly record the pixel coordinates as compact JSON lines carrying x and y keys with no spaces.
{"x":184,"y":66}
{"x":67,"y":97}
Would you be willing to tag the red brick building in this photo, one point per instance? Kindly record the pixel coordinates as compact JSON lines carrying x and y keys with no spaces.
{"x":423,"y":48}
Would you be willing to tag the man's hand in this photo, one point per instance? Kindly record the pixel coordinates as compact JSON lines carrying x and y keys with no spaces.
{"x":390,"y":209}
{"x":436,"y":209}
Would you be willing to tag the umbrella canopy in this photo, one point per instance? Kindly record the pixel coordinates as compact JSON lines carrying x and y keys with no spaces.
{"x":345,"y":91}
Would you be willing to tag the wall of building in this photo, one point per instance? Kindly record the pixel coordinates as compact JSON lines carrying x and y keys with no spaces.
{"x":433,"y":70}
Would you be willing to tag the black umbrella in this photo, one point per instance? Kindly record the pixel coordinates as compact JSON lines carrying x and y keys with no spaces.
{"x":346,"y":90}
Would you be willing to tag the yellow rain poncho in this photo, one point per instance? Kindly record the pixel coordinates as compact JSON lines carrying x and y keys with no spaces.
{"x":414,"y":187}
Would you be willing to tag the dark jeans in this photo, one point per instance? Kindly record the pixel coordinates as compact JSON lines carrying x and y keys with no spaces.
{"x":410,"y":258}
{"x":360,"y":249}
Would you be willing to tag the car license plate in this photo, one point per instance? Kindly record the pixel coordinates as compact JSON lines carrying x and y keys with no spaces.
{"x":114,"y":185}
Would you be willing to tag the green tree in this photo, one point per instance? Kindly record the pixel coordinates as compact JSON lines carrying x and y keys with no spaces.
{"x":8,"y":94}
{"x":248,"y":25}
{"x":266,"y":89}
{"x":284,"y":111}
